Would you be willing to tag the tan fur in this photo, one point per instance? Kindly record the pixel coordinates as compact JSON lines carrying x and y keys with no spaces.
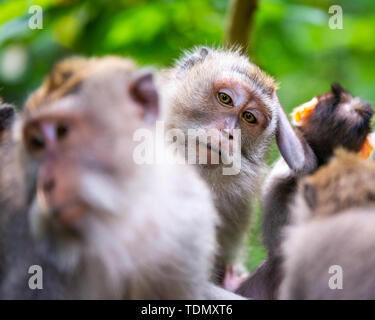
{"x":189,"y":99}
{"x":347,"y":181}
{"x":139,"y":239}
{"x":337,"y":230}
{"x":69,"y":73}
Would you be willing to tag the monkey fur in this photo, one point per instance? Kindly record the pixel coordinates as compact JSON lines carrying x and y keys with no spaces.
{"x":338,"y":120}
{"x":190,"y":96}
{"x":136,"y":237}
{"x":332,"y":225}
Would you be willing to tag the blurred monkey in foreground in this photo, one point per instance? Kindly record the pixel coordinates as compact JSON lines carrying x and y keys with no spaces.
{"x":333,"y":234}
{"x":218,"y":90}
{"x":99,"y":224}
{"x":328,"y":121}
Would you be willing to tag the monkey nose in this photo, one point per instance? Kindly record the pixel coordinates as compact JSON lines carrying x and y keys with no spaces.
{"x":48,"y":185}
{"x":228,"y":133}
{"x":69,"y":213}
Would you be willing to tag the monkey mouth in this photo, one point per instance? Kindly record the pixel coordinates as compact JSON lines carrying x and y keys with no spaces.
{"x":208,"y":159}
{"x":210,"y":148}
{"x":217,"y":151}
{"x":211,"y":160}
{"x":68,"y":213}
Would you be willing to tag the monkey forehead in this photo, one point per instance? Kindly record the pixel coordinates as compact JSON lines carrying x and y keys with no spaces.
{"x":232,"y":60}
{"x":67,"y":76}
{"x":241,"y":83}
{"x":104,"y":88}
{"x":220,"y":60}
{"x":70,"y":103}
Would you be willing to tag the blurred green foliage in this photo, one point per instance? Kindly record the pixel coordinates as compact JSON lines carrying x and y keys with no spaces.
{"x":290,"y":39}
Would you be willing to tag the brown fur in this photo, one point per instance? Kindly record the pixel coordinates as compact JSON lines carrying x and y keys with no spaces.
{"x":334,"y":225}
{"x":348,"y":181}
{"x":68,"y":74}
{"x":339,"y":119}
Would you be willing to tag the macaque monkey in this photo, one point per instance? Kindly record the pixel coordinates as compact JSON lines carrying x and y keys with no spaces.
{"x":232,"y":102}
{"x":99,"y":224}
{"x":331,"y":120}
{"x":329,"y":247}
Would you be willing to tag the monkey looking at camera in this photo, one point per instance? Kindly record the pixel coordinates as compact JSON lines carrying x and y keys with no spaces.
{"x":331,"y":120}
{"x":220,"y":90}
{"x":333,"y":223}
{"x":99,"y":224}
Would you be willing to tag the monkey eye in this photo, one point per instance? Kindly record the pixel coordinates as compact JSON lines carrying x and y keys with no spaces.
{"x":225,"y":98}
{"x":34,"y":141}
{"x":62,"y":130}
{"x":249,"y":117}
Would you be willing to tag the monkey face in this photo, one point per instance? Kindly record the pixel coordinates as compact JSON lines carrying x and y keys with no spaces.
{"x":338,"y":120}
{"x":84,"y":155}
{"x":67,"y":153}
{"x":222,"y":91}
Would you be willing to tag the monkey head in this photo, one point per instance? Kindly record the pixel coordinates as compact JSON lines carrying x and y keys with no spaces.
{"x":81,"y":144}
{"x":347,"y":181}
{"x":221,"y":90}
{"x":337,"y":119}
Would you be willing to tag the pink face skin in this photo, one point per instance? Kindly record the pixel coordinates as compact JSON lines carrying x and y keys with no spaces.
{"x":243,"y":99}
{"x":57,"y":140}
{"x":230,"y":116}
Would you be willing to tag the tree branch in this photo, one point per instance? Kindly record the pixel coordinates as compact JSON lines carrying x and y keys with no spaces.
{"x":240,"y":18}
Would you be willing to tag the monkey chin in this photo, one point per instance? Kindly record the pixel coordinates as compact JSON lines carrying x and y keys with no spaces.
{"x":54,"y":223}
{"x":213,"y":158}
{"x":69,"y":213}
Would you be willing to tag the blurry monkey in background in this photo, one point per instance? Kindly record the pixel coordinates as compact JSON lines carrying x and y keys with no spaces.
{"x":333,"y":228}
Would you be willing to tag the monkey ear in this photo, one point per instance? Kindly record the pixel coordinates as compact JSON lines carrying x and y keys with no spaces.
{"x":191,"y":58}
{"x":143,"y":91}
{"x":7,"y":114}
{"x":293,"y":148}
{"x":337,"y":89}
{"x":309,"y":194}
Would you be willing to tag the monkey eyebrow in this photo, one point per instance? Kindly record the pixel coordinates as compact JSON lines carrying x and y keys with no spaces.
{"x":254,"y":79}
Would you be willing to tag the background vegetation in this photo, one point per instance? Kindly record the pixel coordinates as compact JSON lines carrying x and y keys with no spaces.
{"x":290,"y":39}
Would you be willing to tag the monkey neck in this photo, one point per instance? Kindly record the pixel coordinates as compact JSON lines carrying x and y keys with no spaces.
{"x":232,"y":195}
{"x":114,"y":259}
